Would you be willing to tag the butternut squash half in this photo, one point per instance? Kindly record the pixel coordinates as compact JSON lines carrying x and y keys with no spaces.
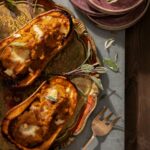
{"x":35,"y":123}
{"x":25,"y":54}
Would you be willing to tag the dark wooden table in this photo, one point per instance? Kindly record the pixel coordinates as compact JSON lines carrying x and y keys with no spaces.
{"x":138,"y":85}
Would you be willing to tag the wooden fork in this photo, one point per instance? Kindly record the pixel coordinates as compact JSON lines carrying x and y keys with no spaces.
{"x":101,"y":127}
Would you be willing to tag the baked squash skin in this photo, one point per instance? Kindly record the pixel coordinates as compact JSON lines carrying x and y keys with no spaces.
{"x":35,"y":123}
{"x":25,"y":54}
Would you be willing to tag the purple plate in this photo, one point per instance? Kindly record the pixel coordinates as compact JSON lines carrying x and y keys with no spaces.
{"x":122,"y":21}
{"x":85,"y":8}
{"x":116,"y":8}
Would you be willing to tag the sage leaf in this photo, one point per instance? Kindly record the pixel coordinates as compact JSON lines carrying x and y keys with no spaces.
{"x":97,"y":82}
{"x":35,"y":5}
{"x":111,"y":64}
{"x":100,"y":70}
{"x":87,"y":68}
{"x":52,"y":99}
{"x":108,"y":43}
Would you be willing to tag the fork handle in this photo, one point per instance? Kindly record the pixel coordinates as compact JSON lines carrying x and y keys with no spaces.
{"x":88,"y":142}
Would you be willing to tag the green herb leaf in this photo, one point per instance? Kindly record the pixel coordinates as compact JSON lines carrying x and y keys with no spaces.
{"x":52,"y":99}
{"x":97,"y":81}
{"x":100,"y":70}
{"x":111,"y":64}
{"x":18,"y":44}
{"x":87,"y":68}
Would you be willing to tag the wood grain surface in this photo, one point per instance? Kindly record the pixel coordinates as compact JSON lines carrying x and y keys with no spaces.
{"x":138,"y":85}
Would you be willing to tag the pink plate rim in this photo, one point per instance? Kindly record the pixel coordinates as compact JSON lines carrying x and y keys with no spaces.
{"x":113,"y":12}
{"x":84,"y":9}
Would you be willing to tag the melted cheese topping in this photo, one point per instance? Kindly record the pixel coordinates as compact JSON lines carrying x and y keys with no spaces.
{"x":19,"y":55}
{"x":39,"y":33}
{"x":28,"y":130}
{"x":52,"y":93}
{"x":16,"y":35}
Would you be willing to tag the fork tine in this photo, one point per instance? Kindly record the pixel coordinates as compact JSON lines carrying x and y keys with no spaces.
{"x":115,"y":121}
{"x":108,"y":117}
{"x":101,"y":113}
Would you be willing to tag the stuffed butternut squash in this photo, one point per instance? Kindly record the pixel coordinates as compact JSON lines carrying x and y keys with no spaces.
{"x":35,"y":123}
{"x":24,"y":55}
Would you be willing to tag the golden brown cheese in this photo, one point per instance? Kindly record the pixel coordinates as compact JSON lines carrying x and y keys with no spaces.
{"x":29,"y":50}
{"x":36,"y":122}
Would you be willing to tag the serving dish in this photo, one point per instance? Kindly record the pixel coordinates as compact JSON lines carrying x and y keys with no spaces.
{"x":123,"y":21}
{"x":116,"y":8}
{"x":72,"y":57}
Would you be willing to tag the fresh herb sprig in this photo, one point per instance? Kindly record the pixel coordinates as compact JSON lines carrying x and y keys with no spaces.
{"x":110,"y":62}
{"x":90,"y":70}
{"x":85,"y":68}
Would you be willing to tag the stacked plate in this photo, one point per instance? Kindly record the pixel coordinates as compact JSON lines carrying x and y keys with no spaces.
{"x":113,"y":14}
